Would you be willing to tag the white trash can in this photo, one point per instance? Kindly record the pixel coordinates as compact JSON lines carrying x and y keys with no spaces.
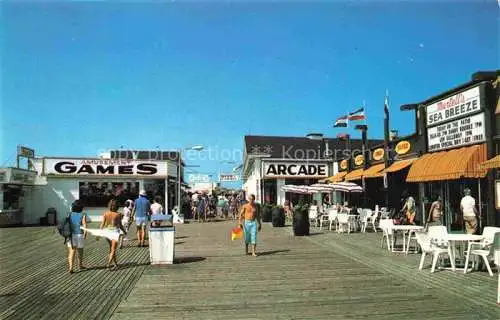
{"x":161,"y":242}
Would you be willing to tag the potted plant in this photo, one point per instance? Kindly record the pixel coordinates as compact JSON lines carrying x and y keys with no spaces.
{"x":278,"y":216}
{"x":301,"y":219}
{"x":266,"y":212}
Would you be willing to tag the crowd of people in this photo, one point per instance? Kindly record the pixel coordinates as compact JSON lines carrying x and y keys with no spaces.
{"x":204,"y":206}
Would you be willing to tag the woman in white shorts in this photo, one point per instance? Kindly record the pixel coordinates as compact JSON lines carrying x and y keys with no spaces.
{"x":112,"y":224}
{"x":75,"y":244}
{"x":127,"y":213}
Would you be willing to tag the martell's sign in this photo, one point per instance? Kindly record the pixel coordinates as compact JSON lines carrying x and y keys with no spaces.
{"x":359,"y":160}
{"x":458,"y":105}
{"x":104,"y":167}
{"x":402,"y":147}
{"x":296,"y":170}
{"x":343,"y":164}
{"x":378,"y":154}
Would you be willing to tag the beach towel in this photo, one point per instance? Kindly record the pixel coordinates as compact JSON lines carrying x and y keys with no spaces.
{"x":111,"y":234}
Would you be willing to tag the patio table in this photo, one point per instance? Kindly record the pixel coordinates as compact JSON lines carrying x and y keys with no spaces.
{"x":453,"y":239}
{"x":405,"y":229}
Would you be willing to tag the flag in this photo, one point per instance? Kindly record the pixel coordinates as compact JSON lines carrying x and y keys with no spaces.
{"x":357,"y":115}
{"x":341,"y":122}
{"x":342,"y":136}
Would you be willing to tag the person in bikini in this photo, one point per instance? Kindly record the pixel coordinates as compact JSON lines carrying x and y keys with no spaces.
{"x":113,"y":223}
{"x":250,"y":223}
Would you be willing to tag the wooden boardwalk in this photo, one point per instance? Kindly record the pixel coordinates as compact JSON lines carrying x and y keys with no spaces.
{"x":325,"y":276}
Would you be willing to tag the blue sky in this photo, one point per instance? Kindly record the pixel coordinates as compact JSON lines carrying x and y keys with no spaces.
{"x":78,"y":78}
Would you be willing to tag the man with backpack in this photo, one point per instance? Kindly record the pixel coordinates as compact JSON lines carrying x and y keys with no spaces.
{"x":74,"y":236}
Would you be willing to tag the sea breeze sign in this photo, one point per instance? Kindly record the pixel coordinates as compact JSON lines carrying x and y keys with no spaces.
{"x":297,"y":170}
{"x":402,"y":147}
{"x":105,"y":167}
{"x":378,"y":154}
{"x":229,"y":177}
{"x":457,"y":133}
{"x":456,"y":106}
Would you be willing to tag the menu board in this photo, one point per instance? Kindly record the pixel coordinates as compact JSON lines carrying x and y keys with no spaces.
{"x":454,"y":134}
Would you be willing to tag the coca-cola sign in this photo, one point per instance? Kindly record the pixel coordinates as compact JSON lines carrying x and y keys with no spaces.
{"x":456,"y":106}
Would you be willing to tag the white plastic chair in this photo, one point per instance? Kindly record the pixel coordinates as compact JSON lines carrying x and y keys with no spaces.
{"x":387,"y":233}
{"x":425,"y":243}
{"x":343,"y":220}
{"x":384,"y":213}
{"x":331,"y":218}
{"x":371,"y":219}
{"x":313,"y":215}
{"x":483,"y":249}
{"x":365,"y":219}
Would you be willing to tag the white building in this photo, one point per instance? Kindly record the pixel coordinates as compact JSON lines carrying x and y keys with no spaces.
{"x":57,"y":182}
{"x":270,"y":162}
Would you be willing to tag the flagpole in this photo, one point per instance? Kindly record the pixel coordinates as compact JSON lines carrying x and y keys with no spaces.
{"x":364,"y":109}
{"x":386,"y":146}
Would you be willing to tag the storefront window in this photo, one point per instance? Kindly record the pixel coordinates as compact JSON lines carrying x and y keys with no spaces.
{"x":12,"y":197}
{"x":98,"y":194}
{"x":270,"y":192}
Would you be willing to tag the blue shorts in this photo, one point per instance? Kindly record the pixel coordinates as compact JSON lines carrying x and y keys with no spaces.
{"x":141,"y":222}
{"x":250,"y":229}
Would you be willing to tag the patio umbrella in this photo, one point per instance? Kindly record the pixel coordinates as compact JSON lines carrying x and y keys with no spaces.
{"x":296,"y":189}
{"x":346,"y":187}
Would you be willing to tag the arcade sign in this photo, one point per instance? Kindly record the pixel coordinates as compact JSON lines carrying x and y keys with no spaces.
{"x":104,"y":167}
{"x":378,"y":154}
{"x":402,"y":147}
{"x":296,"y":170}
{"x":456,"y":106}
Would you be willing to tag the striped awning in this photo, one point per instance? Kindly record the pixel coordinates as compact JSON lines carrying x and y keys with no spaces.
{"x":373,"y":171}
{"x":336,"y":178}
{"x":449,"y":165}
{"x":354,"y":175}
{"x":493,"y":163}
{"x":395,"y":167}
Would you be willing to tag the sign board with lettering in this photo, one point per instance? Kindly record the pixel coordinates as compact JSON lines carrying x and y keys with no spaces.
{"x":378,"y":154}
{"x":229,"y":177}
{"x":344,"y":164}
{"x":359,"y":160}
{"x":456,"y":106}
{"x":195,"y":178}
{"x":17,"y":176}
{"x":105,"y":167}
{"x":25,"y":152}
{"x":454,"y":134}
{"x":402,"y":147}
{"x":295,"y":170}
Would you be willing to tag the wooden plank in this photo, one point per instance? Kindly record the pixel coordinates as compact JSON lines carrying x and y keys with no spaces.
{"x":325,"y":276}
{"x":301,"y":278}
